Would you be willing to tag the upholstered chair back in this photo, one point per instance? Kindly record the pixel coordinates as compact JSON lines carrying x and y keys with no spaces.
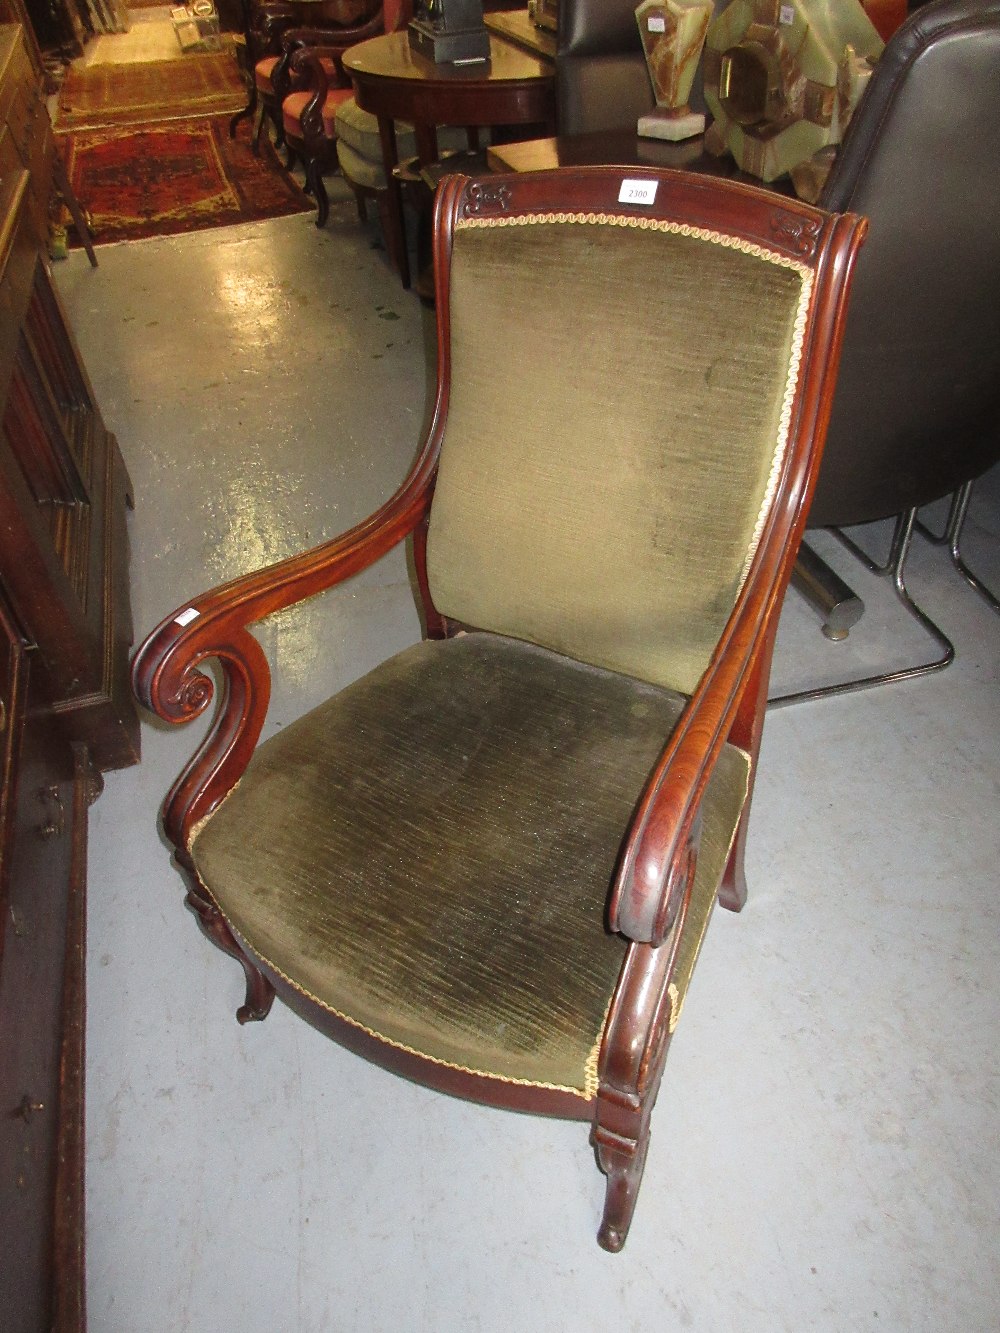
{"x":917,"y":408}
{"x":603,"y":484}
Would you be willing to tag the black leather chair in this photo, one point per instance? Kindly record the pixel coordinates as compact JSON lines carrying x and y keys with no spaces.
{"x":601,"y":78}
{"x":602,"y":82}
{"x":917,"y":410}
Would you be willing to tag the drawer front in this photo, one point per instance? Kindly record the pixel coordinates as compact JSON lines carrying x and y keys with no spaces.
{"x":32,"y":966}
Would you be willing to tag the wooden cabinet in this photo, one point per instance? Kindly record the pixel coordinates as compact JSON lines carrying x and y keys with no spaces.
{"x":66,"y":714}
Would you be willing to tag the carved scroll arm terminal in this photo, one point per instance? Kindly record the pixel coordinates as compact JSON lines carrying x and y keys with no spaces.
{"x":166,"y":672}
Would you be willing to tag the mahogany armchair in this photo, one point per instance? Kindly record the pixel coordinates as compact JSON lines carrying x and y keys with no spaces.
{"x":490,"y":863}
{"x":334,"y":25}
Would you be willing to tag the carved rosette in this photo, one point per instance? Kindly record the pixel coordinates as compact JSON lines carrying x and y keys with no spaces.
{"x":483,"y":200}
{"x":192,"y":696}
{"x":799,"y":234}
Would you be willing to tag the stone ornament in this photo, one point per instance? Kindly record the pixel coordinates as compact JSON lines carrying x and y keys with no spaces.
{"x":782,"y":78}
{"x":673,"y":34}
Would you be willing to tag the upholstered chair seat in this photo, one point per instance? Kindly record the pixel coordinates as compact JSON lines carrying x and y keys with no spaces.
{"x":489,"y":864}
{"x":264,"y":72}
{"x":359,"y":153}
{"x":357,"y":133}
{"x":503,"y":775}
{"x":295,"y":104}
{"x":337,"y":23}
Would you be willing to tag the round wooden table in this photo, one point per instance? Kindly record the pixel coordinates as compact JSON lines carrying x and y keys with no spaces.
{"x":394,"y":83}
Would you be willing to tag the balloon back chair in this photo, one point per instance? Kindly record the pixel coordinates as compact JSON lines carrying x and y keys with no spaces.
{"x":340,"y":22}
{"x":489,"y":864}
{"x":916,"y":416}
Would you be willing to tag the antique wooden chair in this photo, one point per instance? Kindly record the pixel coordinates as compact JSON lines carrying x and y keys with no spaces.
{"x":489,"y":864}
{"x":340,"y":23}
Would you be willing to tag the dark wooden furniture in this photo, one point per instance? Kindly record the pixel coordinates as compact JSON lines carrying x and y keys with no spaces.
{"x":514,"y":25}
{"x":65,"y":714}
{"x":490,"y":863}
{"x":394,"y":83}
{"x":619,"y":147}
{"x":293,"y":24}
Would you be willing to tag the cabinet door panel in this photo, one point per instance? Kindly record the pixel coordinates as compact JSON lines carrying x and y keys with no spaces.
{"x":32,"y":964}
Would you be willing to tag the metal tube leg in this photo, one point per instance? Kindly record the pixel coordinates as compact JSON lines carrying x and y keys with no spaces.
{"x":827,"y":593}
{"x":895,"y":568}
{"x":953,"y":536}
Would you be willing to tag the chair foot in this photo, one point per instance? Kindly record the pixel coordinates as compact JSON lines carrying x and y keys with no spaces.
{"x":733,"y":889}
{"x":839,"y":606}
{"x":260,"y":992}
{"x":623,"y":1165}
{"x":314,"y":176}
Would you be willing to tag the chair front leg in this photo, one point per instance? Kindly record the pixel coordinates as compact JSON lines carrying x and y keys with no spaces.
{"x":622,"y":1158}
{"x":633,"y":1054}
{"x":259,"y":992}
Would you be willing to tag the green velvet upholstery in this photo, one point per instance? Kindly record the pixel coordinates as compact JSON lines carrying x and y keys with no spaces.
{"x":429,"y":853}
{"x":359,"y":147}
{"x":602,"y":486}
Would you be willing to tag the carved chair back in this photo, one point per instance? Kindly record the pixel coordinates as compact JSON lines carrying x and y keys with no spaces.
{"x":603,"y":486}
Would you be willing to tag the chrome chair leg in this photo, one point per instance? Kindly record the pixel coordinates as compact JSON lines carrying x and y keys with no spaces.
{"x":894,"y":567}
{"x":953,"y":538}
{"x":838,"y":605}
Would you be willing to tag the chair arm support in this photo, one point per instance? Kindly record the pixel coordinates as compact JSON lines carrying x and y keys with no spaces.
{"x":662,"y":848}
{"x":309,"y":75}
{"x":166,"y":674}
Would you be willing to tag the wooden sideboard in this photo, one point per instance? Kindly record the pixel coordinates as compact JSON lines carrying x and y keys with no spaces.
{"x":65,"y":716}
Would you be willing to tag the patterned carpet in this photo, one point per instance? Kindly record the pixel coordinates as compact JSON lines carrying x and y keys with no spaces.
{"x":159,"y":180}
{"x":150,"y":92}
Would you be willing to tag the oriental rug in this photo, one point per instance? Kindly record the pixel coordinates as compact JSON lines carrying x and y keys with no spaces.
{"x":160,"y":180}
{"x":151,"y":91}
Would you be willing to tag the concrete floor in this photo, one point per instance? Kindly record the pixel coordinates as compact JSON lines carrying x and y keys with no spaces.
{"x":825,"y":1150}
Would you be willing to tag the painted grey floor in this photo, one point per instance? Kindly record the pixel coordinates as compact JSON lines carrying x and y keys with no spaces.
{"x":825,"y":1150}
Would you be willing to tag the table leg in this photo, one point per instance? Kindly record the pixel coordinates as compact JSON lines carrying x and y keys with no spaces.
{"x":396,"y":238}
{"x":427,"y":143}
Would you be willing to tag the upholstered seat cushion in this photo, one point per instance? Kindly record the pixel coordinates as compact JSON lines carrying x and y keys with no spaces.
{"x":263,"y":73}
{"x":295,"y":103}
{"x":357,"y":130}
{"x":428,"y":855}
{"x":368,"y":173}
